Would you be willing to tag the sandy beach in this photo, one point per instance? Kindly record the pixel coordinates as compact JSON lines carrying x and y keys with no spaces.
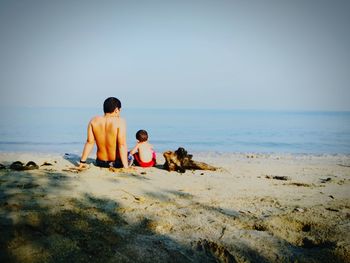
{"x":255,"y":208}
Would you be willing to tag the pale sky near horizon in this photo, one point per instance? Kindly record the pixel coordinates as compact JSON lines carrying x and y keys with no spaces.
{"x":292,"y":55}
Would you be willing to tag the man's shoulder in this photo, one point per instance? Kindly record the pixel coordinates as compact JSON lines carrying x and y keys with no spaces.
{"x":96,"y":119}
{"x":121,"y":120}
{"x":100,"y":119}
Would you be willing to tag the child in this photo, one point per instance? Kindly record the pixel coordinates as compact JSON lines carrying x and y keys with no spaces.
{"x":143,"y":152}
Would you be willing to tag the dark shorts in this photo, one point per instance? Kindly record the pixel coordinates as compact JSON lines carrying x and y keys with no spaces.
{"x":106,"y":164}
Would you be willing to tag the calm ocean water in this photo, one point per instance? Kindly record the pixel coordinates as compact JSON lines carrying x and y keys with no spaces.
{"x":61,"y":130}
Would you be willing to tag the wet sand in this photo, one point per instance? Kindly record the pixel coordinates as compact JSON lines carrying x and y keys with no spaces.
{"x":255,"y":208}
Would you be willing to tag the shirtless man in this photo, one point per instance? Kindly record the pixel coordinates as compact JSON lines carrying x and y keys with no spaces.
{"x":109,"y":133}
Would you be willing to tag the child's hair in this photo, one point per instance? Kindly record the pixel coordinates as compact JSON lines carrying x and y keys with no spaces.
{"x":142,"y":136}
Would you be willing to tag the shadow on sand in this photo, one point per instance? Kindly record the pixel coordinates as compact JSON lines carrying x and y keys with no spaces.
{"x":37,"y":226}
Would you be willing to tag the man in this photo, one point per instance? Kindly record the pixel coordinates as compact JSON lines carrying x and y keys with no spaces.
{"x":109,"y":133}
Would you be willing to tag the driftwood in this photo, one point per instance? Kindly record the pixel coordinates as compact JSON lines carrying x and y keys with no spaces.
{"x":180,"y":161}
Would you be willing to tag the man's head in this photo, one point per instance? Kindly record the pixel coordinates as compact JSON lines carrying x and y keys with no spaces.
{"x":142,"y":136}
{"x":111,"y":104}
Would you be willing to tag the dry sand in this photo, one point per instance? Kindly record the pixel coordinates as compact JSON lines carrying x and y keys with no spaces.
{"x":242,"y":213}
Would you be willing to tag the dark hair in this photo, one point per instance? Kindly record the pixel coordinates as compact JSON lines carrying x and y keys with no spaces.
{"x":111,"y":104}
{"x":142,"y":136}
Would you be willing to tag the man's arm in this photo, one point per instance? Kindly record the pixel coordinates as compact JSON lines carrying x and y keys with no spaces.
{"x":122,"y":146}
{"x":89,"y":145}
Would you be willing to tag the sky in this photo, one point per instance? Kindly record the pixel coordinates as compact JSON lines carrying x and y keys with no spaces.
{"x":219,"y":54}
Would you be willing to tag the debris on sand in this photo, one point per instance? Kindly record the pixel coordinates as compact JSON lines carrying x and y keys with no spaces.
{"x":277,"y":177}
{"x":180,"y":161}
{"x":19,"y":166}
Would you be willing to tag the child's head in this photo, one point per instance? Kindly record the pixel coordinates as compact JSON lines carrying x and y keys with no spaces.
{"x":142,"y":136}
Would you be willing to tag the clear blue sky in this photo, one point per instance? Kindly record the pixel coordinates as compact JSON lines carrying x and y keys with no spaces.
{"x":180,"y":54}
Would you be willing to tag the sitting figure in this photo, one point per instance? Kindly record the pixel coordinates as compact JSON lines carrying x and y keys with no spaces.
{"x":180,"y":161}
{"x":143,"y":152}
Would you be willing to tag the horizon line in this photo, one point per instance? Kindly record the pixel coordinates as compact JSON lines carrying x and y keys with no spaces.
{"x":180,"y":108}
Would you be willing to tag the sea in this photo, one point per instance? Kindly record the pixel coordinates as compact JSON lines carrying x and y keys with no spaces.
{"x":63,"y":130}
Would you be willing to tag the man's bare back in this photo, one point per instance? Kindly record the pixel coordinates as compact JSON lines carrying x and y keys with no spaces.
{"x":105,"y":130}
{"x":109,"y":133}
